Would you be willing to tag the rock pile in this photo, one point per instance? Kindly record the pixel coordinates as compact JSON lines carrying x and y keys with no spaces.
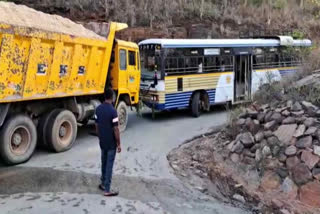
{"x":283,"y":143}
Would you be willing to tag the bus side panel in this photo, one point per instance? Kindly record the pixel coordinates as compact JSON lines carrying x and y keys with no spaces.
{"x":224,"y":90}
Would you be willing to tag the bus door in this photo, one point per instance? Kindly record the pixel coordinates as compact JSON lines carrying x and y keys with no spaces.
{"x":242,"y":77}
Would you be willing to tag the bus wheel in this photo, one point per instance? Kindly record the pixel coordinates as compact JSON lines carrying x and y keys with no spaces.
{"x":61,"y":131}
{"x":196,"y":105}
{"x":43,"y":127}
{"x":18,"y":139}
{"x":122,"y":111}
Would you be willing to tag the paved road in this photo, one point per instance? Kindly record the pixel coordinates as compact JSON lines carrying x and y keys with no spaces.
{"x":67,"y":182}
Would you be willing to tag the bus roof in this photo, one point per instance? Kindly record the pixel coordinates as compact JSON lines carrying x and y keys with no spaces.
{"x":221,"y":43}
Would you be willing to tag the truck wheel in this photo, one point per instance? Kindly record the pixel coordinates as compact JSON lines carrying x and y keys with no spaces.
{"x":43,"y":127}
{"x":61,"y":131}
{"x":122,"y":110}
{"x":196,"y":105}
{"x":18,"y":139}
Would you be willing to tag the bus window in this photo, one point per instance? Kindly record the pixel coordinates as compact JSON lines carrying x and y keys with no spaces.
{"x":132,"y":58}
{"x":123,"y":59}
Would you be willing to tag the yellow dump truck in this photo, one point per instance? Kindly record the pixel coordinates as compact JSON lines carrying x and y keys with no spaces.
{"x":51,"y":82}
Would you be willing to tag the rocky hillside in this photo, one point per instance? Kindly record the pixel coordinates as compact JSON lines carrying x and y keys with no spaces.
{"x":190,"y":18}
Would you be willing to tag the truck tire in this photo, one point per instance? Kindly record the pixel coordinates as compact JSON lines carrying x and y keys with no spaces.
{"x":18,"y":139}
{"x":196,"y":105}
{"x":61,"y":131}
{"x":122,"y":111}
{"x":43,"y":127}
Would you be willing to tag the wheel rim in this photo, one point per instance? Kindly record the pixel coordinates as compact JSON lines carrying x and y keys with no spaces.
{"x":20,"y":140}
{"x":122,"y":116}
{"x":65,"y":133}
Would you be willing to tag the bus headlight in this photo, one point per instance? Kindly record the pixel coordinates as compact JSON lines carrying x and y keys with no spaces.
{"x":155,"y":98}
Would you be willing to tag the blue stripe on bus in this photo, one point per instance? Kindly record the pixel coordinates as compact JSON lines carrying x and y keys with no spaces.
{"x":287,"y":72}
{"x":180,"y":100}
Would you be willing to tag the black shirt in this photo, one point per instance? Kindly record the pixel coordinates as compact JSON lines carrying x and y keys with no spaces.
{"x":106,"y":119}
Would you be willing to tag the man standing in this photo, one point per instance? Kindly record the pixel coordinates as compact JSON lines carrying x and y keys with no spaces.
{"x":109,"y":137}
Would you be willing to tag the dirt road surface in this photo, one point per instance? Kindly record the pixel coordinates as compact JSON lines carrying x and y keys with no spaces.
{"x":67,"y":182}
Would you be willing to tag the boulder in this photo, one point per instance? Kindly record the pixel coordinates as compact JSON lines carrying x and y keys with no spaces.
{"x":237,"y":147}
{"x":309,"y":159}
{"x":282,"y":157}
{"x":292,"y":162}
{"x":301,"y":174}
{"x":273,"y":140}
{"x":230,"y":145}
{"x":276,"y":117}
{"x":285,"y":133}
{"x":282,"y":172}
{"x":304,"y":142}
{"x":309,"y":106}
{"x":316,"y":150}
{"x":268,"y":134}
{"x":317,"y":134}
{"x":291,"y":150}
{"x":255,"y":147}
{"x":297,"y":113}
{"x":248,"y":153}
{"x":259,"y":136}
{"x":289,"y":104}
{"x":275,"y":150}
{"x":268,"y":116}
{"x":289,"y":120}
{"x":311,"y":131}
{"x":246,"y":139}
{"x":235,"y":158}
{"x":296,"y":107}
{"x":316,"y":173}
{"x":238,"y":197}
{"x":252,"y":113}
{"x":300,"y":131}
{"x":286,"y":113}
{"x":258,"y":155}
{"x":310,"y":194}
{"x":270,"y":125}
{"x":289,"y":188}
{"x":309,"y":122}
{"x":270,"y":181}
{"x":266,"y":151}
{"x":241,"y":122}
{"x":261,"y":117}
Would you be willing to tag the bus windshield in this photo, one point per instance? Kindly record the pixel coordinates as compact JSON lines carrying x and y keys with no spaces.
{"x":150,"y":62}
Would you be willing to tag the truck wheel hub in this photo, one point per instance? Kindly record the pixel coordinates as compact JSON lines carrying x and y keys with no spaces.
{"x":16,"y":139}
{"x":62,"y":131}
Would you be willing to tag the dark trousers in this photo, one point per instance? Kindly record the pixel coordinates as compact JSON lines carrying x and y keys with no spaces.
{"x":107,"y":160}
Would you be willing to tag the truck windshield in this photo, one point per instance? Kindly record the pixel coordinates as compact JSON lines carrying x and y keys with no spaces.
{"x":150,"y":62}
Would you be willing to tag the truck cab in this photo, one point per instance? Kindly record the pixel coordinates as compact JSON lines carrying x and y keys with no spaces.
{"x":125,"y":78}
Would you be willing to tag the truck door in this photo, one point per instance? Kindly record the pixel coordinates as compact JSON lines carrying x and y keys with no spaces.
{"x":133,"y":74}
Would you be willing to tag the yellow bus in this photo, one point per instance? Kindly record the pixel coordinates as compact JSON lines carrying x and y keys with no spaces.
{"x":198,"y":73}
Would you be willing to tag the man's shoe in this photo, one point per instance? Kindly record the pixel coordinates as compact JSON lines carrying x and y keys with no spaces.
{"x":111,"y":194}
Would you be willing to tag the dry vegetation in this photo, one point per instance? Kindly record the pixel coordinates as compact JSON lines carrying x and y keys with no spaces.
{"x":257,"y":14}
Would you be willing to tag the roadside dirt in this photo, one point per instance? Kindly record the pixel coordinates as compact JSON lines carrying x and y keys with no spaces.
{"x":204,"y":164}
